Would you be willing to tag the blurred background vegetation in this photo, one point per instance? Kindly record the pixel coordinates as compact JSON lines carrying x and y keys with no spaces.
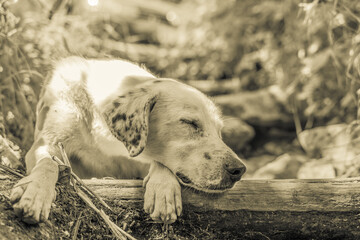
{"x":278,"y":69}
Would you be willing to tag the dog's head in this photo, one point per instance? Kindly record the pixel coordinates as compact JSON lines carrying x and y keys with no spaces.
{"x":178,"y":126}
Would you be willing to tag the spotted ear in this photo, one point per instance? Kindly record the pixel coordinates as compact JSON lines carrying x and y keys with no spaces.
{"x":128,"y":118}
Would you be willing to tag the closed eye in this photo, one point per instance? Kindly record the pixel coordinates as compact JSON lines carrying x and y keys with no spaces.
{"x":193,"y":123}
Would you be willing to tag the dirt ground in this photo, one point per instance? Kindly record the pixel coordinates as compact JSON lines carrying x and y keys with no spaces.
{"x":72,"y":219}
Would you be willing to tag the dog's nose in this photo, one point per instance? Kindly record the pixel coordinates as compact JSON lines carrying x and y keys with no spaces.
{"x":235,"y":169}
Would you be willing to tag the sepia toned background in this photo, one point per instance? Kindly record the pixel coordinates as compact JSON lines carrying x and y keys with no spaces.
{"x":284,"y":73}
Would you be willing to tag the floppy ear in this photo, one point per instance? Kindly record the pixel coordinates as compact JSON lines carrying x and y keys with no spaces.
{"x":128,"y":118}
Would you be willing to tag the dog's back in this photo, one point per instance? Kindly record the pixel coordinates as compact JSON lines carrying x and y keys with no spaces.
{"x":70,"y":111}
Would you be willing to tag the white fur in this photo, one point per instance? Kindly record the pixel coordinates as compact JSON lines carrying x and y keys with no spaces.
{"x":105,"y":140}
{"x":105,"y":77}
{"x":172,"y":146}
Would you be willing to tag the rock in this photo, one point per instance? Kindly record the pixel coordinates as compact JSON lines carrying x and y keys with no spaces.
{"x":275,"y":148}
{"x":256,"y":162}
{"x":236,"y":133}
{"x":260,"y":107}
{"x":285,"y":166}
{"x":336,"y":144}
{"x":327,"y":141}
{"x":316,"y":169}
{"x":10,"y":154}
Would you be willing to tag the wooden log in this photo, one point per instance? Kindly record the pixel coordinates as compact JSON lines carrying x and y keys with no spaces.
{"x":298,"y":195}
{"x":213,"y":88}
{"x":259,"y":209}
{"x":253,"y":209}
{"x":258,"y":108}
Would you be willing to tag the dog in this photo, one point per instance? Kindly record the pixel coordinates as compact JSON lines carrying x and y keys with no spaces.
{"x":105,"y":110}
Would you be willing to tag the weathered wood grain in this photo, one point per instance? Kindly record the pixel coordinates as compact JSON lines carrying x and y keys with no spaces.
{"x":328,"y":195}
{"x":256,"y":209}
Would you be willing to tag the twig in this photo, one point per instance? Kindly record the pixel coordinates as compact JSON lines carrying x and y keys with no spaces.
{"x":11,"y":171}
{"x":83,"y":185}
{"x":64,"y":155}
{"x":76,"y":227}
{"x":67,"y":163}
{"x":54,"y":8}
{"x":358,"y":105}
{"x":296,"y":117}
{"x":351,"y":13}
{"x":117,"y":231}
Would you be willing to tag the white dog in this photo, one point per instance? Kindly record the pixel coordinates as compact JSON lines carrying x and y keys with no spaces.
{"x":101,"y":110}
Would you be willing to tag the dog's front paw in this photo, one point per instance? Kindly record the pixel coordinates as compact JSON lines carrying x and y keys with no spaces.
{"x":32,"y":199}
{"x":162,"y":198}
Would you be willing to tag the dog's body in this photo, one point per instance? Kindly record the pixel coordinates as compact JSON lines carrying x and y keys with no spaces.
{"x":105,"y":110}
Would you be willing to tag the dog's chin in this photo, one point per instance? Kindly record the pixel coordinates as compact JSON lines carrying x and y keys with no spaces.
{"x":185,"y":181}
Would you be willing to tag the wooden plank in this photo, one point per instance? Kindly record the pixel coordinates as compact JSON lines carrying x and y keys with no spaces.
{"x":126,"y":199}
{"x":299,"y":195}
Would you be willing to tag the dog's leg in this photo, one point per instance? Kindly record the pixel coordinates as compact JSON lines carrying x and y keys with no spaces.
{"x":32,"y":196}
{"x":162,"y":198}
{"x":127,"y":117}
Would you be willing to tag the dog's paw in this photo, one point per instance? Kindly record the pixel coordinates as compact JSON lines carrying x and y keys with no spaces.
{"x":32,"y":200}
{"x":162,"y":198}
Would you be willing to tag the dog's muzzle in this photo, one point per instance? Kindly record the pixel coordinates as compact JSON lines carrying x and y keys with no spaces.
{"x":234,"y":169}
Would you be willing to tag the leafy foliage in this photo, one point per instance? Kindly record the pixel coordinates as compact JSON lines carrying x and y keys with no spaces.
{"x":17,"y":98}
{"x":311,"y":49}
